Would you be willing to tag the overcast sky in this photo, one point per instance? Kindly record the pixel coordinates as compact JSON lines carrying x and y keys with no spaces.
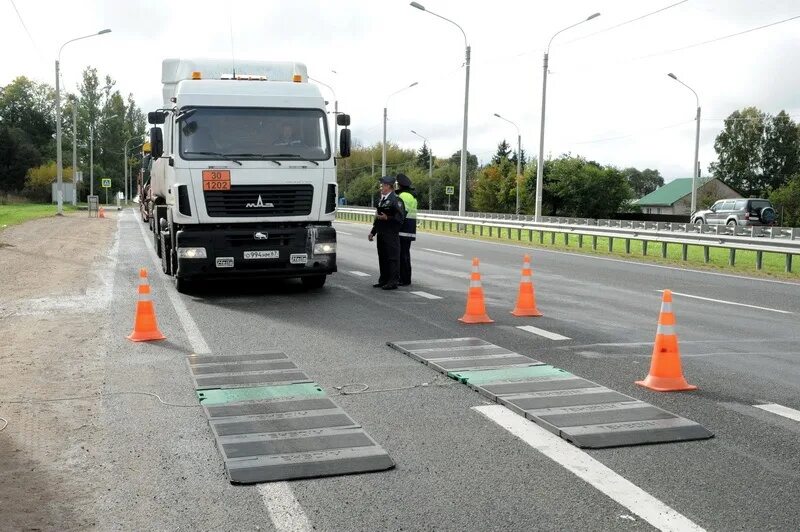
{"x":608,"y":96}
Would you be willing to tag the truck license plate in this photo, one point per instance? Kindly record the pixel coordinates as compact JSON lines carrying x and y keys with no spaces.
{"x":224,"y":262}
{"x":298,"y":258}
{"x":264,"y":254}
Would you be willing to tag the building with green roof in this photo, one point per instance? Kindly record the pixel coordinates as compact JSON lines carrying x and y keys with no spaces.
{"x":675,"y":197}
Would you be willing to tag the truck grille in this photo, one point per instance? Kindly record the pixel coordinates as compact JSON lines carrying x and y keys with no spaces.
{"x":275,"y":200}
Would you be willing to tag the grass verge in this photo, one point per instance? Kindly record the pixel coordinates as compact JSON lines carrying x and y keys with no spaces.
{"x":17,"y":213}
{"x":773,"y":264}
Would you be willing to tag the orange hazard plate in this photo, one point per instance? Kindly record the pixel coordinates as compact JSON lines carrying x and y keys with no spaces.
{"x":216,"y":179}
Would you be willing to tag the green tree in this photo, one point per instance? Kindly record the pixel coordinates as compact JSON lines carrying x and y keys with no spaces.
{"x":586,"y":189}
{"x":30,"y":107}
{"x":787,"y":199}
{"x":472,"y":162}
{"x":39,"y":179}
{"x":423,"y":156}
{"x":739,"y":149}
{"x":502,"y":154}
{"x":643,"y":182}
{"x":17,"y":154}
{"x":781,"y":152}
{"x":486,"y":192}
{"x":514,"y":159}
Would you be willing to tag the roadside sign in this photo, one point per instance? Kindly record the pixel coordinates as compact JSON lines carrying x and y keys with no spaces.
{"x":450,"y":190}
{"x":105,"y":183}
{"x":94,"y":203}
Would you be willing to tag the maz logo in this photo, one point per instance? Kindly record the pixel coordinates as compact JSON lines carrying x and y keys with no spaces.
{"x":259,"y":204}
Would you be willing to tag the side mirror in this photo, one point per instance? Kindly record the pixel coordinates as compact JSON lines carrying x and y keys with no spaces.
{"x":156,"y":142}
{"x":344,"y":143}
{"x":342,"y":120}
{"x":156,"y":117}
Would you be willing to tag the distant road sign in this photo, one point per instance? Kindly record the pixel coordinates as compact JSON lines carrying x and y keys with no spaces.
{"x":450,"y":190}
{"x":105,"y":183}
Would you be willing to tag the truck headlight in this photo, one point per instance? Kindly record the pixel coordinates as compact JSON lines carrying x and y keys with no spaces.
{"x":324,"y":248}
{"x":191,"y":253}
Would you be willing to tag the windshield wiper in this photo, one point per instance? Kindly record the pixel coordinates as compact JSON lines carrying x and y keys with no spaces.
{"x":259,"y":156}
{"x":293,"y":156}
{"x":225,"y":156}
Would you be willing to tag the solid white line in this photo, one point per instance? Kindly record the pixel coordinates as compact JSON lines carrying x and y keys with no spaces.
{"x":443,"y":252}
{"x":729,"y":302}
{"x":359,"y":274}
{"x":542,"y":332}
{"x":284,"y":510}
{"x":426,"y":295}
{"x":286,"y":513}
{"x":343,"y":233}
{"x":781,"y":410}
{"x":589,"y":470}
{"x":608,"y":259}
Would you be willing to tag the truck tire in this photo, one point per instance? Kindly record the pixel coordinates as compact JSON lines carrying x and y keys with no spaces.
{"x":314,"y":282}
{"x":166,"y":254}
{"x":157,"y":242}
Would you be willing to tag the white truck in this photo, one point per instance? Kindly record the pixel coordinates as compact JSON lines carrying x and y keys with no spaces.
{"x":243,"y":175}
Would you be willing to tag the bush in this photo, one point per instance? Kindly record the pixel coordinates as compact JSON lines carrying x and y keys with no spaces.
{"x":38,"y":181}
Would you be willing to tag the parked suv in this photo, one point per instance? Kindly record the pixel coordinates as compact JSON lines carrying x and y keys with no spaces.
{"x":737,"y":212}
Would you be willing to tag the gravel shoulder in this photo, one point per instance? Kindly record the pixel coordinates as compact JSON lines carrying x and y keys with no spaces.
{"x":57,"y":281}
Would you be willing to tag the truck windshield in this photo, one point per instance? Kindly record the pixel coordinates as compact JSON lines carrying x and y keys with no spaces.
{"x":211,"y":133}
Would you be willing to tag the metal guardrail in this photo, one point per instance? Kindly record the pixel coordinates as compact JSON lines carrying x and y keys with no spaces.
{"x":758,"y":239}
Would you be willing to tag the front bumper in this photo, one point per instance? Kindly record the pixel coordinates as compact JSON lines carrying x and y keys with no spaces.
{"x":226,"y":249}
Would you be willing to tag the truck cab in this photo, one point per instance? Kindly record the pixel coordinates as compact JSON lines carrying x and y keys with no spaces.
{"x":243,"y":173}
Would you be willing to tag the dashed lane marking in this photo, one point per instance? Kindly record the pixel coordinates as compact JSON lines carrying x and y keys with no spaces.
{"x":359,"y":274}
{"x":285,"y":512}
{"x":590,"y":470}
{"x":542,"y":332}
{"x":426,"y":295}
{"x":781,"y":410}
{"x":443,"y":252}
{"x":729,"y":303}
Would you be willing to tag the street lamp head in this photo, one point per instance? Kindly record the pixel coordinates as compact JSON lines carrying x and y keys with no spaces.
{"x":497,"y":115}
{"x":413,"y":84}
{"x":673,"y":76}
{"x":418,"y":6}
{"x":593,"y":16}
{"x":414,"y":132}
{"x":101,"y":32}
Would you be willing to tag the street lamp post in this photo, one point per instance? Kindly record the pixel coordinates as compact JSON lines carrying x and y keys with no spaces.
{"x":59,"y":161}
{"x":383,"y":160}
{"x":540,"y":162}
{"x":128,"y":187}
{"x":75,"y":151}
{"x":430,"y":170}
{"x":462,"y":187}
{"x":696,"y":171}
{"x":519,"y":154}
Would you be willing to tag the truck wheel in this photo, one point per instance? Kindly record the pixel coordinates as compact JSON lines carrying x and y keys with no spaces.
{"x":166,"y":254}
{"x":314,"y":282}
{"x":157,"y":243}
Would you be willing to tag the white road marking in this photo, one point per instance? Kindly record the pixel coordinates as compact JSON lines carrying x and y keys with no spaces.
{"x":359,"y":274}
{"x":622,"y":261}
{"x":443,"y":252}
{"x":729,"y":302}
{"x":542,"y":332}
{"x":343,"y":233}
{"x":589,"y":470}
{"x":781,"y":410}
{"x":285,"y":512}
{"x":426,"y":295}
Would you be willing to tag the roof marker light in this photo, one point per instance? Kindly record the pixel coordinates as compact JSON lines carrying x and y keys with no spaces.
{"x":197,"y":75}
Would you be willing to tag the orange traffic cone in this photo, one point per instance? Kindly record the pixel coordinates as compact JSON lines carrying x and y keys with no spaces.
{"x":476,"y":309}
{"x":144,"y":324}
{"x":101,"y":213}
{"x":666,"y":374}
{"x":526,"y":297}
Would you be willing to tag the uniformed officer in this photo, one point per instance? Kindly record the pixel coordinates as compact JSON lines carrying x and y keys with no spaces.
{"x":388,"y":222}
{"x":409,"y":231}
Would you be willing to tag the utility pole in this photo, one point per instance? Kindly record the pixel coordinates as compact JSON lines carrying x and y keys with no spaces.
{"x":75,"y":151}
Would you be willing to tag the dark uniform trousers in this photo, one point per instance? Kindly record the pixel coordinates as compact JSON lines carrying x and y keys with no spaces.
{"x":405,"y":261}
{"x":388,"y":258}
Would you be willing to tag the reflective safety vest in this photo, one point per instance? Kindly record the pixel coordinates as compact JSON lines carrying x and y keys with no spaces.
{"x":409,"y":229}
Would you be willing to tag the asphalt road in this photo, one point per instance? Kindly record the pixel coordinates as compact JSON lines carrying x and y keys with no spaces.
{"x":456,"y":469}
